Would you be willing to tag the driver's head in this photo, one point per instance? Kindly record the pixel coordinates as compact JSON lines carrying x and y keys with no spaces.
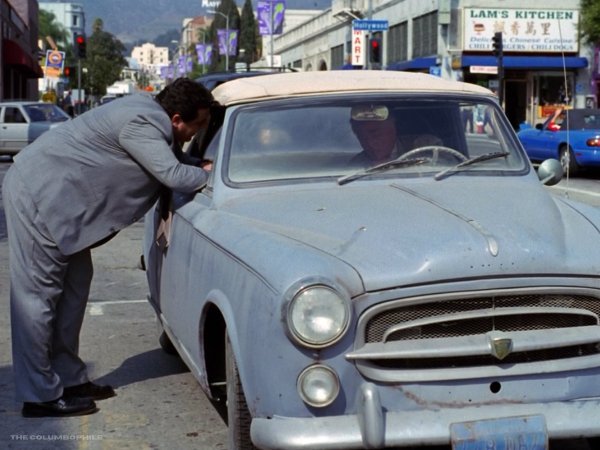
{"x":375,"y":131}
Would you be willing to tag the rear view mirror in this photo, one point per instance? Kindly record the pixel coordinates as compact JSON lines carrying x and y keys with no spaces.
{"x":550,"y":172}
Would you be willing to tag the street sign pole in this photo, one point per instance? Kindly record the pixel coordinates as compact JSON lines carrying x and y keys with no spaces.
{"x":370,"y":26}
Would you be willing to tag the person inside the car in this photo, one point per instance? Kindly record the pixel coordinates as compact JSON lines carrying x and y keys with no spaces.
{"x":376,"y":133}
{"x":379,"y":138}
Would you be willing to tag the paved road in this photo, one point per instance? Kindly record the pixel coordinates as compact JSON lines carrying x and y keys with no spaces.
{"x":158,"y":405}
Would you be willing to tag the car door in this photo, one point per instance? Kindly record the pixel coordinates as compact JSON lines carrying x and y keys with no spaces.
{"x":15,"y":129}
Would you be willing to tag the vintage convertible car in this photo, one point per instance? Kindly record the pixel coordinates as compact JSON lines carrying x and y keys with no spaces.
{"x":326,"y":301}
{"x":571,"y":135}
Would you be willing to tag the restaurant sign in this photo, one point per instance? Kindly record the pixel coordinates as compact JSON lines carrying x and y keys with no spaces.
{"x":523,"y":30}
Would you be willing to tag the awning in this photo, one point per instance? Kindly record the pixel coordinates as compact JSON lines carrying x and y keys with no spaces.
{"x":414,"y":64}
{"x":14,"y":55}
{"x":527,"y":62}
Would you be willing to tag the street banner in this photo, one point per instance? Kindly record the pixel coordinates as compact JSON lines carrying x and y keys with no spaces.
{"x":164,"y":72}
{"x":55,"y":61}
{"x":227,"y":41}
{"x":271,"y":14}
{"x":181,"y":66}
{"x":200,"y":52}
{"x":204,"y":53}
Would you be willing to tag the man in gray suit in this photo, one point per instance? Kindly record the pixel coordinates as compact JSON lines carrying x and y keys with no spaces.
{"x":71,"y":189}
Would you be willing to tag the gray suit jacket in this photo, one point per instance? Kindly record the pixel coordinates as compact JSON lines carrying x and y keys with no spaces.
{"x":94,"y":175}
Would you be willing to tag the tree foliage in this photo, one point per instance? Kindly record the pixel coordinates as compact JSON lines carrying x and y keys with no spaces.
{"x":48,"y":26}
{"x":250,"y":40}
{"x":104,"y":61}
{"x":590,"y":21}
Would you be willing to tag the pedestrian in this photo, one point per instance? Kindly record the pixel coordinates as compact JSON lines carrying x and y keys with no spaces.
{"x":73,"y":188}
{"x":68,"y":105}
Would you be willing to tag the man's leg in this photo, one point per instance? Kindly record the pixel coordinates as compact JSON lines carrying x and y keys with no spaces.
{"x":36,"y":272}
{"x":70,"y":312}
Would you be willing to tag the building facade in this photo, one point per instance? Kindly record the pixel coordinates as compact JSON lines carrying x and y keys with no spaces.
{"x":19,"y":52}
{"x":150,"y":58}
{"x":70,"y":15}
{"x":545,"y":64}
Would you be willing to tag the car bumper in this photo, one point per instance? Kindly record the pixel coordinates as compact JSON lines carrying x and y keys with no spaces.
{"x":373,"y":428}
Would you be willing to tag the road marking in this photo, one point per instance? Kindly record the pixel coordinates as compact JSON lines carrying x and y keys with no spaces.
{"x":97,"y":308}
{"x":576,"y":191}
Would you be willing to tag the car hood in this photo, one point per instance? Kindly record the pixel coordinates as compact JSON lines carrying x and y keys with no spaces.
{"x":398,"y":234}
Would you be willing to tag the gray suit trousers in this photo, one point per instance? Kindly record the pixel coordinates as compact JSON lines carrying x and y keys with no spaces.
{"x":48,"y":297}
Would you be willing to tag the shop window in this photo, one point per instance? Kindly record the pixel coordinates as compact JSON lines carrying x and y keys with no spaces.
{"x":397,"y":48}
{"x":425,"y":35}
{"x":553,"y":94}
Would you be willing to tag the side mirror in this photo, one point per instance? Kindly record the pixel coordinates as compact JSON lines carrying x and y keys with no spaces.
{"x":550,"y":172}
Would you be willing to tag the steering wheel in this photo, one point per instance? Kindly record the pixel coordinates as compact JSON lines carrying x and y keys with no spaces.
{"x":435,"y":151}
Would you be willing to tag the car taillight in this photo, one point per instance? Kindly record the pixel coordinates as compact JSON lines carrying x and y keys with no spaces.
{"x":593,"y":142}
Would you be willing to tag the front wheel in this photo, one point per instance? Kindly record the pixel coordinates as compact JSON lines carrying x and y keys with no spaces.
{"x":238,"y":414}
{"x":567,"y":161}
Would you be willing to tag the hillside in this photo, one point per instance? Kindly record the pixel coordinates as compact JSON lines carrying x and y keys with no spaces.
{"x":133,"y":20}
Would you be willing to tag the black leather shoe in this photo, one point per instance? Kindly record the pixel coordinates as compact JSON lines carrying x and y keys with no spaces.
{"x":89,"y":389}
{"x":61,"y":407}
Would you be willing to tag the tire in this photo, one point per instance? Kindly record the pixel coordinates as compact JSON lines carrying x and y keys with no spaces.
{"x":566,"y":154}
{"x":166,"y":344}
{"x":238,"y":414}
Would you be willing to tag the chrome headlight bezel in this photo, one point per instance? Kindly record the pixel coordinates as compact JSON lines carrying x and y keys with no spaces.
{"x":329,"y":307}
{"x":318,"y":377}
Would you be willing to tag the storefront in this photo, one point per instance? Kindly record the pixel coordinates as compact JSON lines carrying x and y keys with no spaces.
{"x":542,"y":66}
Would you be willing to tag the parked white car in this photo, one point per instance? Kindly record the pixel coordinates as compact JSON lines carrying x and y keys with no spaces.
{"x":22,"y":122}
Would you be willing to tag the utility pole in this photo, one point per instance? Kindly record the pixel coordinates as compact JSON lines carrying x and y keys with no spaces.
{"x":368,"y":38}
{"x":498,"y":46}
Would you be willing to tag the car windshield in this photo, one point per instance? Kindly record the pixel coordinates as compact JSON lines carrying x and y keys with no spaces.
{"x":46,"y":112}
{"x":349,"y":139}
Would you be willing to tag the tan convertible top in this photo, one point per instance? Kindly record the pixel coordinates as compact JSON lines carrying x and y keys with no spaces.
{"x":330,"y":82}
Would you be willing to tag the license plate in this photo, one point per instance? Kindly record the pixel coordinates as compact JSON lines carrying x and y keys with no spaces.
{"x":522,"y":433}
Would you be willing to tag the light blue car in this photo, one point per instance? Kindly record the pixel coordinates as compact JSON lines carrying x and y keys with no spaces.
{"x":326,"y":297}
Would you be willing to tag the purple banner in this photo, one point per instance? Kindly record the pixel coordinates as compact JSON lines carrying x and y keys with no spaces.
{"x":204,"y":53}
{"x":181,"y":66}
{"x":271,"y":14}
{"x":164,"y":72}
{"x":227,"y":41}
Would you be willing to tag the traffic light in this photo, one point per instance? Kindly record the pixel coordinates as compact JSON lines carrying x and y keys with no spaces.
{"x":497,"y":44}
{"x":80,"y":46}
{"x":375,"y":48}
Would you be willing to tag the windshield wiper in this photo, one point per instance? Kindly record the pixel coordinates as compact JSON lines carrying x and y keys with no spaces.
{"x":457,"y":168}
{"x":398,"y":162}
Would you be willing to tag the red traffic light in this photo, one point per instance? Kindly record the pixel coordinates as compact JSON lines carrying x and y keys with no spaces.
{"x":80,"y":50}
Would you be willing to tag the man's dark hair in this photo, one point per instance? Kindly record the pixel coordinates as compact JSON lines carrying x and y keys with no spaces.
{"x":184,"y":97}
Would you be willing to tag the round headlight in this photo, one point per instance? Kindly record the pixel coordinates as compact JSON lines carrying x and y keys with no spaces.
{"x":318,"y":316}
{"x":318,"y":385}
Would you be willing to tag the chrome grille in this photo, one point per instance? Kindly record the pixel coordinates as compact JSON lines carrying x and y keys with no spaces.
{"x":380,"y":323}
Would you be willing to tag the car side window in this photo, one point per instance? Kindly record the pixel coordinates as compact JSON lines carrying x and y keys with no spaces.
{"x":13,"y":115}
